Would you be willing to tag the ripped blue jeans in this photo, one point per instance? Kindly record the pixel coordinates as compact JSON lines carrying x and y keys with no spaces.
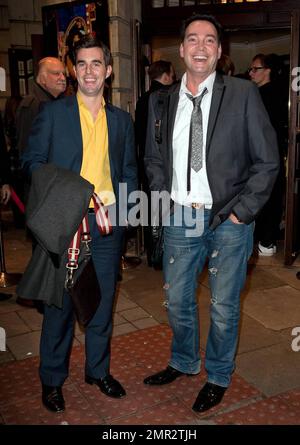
{"x":227,"y":249}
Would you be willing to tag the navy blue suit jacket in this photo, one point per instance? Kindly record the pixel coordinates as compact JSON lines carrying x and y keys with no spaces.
{"x":56,"y":138}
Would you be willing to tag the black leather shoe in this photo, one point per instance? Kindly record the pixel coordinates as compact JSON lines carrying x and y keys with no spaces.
{"x":164,"y":377}
{"x":53,"y":399}
{"x":108,"y":385}
{"x":210,"y":395}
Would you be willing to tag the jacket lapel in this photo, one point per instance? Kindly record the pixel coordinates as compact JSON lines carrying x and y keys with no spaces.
{"x":217,"y":97}
{"x":74,"y":119}
{"x":172,"y":108}
{"x":112,"y":145}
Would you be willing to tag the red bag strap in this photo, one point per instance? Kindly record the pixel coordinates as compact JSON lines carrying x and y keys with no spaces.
{"x":83,"y":234}
{"x":102,"y":218}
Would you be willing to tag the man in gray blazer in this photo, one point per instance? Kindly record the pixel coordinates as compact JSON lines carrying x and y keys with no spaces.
{"x":216,"y":155}
{"x":94,"y":139}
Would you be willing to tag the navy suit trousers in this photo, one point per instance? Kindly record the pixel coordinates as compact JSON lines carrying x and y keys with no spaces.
{"x":58,"y":325}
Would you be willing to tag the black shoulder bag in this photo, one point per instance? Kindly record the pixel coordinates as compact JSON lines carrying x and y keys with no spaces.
{"x":81,"y":278}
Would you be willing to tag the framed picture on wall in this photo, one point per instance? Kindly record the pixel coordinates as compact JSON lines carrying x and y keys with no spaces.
{"x":66,"y":23}
{"x":21,"y":72}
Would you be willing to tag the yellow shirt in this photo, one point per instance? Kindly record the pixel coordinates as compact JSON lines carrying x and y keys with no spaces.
{"x":95,"y":157}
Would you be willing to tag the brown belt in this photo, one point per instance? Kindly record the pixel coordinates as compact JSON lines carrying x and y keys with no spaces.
{"x":197,"y":205}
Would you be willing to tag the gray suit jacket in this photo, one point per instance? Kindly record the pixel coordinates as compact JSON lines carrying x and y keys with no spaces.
{"x":241,"y":152}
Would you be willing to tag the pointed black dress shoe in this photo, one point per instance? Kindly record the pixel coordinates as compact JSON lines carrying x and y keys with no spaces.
{"x":164,"y":377}
{"x":210,"y":395}
{"x":53,"y":399}
{"x":108,"y":385}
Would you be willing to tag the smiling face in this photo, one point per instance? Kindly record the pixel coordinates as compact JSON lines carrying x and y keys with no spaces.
{"x":200,"y":50}
{"x":91,"y":71}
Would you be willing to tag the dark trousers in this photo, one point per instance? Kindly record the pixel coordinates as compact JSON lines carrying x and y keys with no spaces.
{"x":268,"y":221}
{"x":58,"y":325}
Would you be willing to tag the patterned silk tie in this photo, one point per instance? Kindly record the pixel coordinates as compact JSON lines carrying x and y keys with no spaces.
{"x":196,"y":132}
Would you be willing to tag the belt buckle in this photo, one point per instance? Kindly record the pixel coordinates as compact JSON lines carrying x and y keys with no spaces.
{"x":196,"y":205}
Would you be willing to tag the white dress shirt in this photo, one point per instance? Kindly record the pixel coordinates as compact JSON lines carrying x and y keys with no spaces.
{"x":200,"y":191}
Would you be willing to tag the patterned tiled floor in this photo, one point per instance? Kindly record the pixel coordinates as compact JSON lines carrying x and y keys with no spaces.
{"x":265,"y":388}
{"x":134,"y":356}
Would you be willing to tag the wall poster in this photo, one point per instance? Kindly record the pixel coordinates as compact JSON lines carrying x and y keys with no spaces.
{"x":65,"y":23}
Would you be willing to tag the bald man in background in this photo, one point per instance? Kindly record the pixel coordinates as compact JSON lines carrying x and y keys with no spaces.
{"x":50,"y":84}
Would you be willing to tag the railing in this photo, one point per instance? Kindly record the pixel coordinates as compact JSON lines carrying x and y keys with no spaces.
{"x":174,"y":3}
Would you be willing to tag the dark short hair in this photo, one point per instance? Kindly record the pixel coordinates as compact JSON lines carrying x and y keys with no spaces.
{"x":204,"y":17}
{"x":88,"y":41}
{"x":261,"y":57}
{"x":158,"y":68}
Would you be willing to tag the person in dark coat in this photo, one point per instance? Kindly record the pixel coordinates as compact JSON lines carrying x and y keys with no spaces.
{"x":50,"y":84}
{"x":161,"y":75}
{"x":94,"y":139}
{"x":265,"y":73}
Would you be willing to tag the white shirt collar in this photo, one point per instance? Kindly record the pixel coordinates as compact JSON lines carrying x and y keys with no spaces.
{"x":208,"y":83}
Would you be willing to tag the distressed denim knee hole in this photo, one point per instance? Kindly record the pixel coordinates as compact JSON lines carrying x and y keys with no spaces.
{"x":213,"y":270}
{"x":213,"y":300}
{"x":215,"y":254}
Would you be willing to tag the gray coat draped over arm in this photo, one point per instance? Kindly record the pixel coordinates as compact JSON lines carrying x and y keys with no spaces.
{"x":58,"y":201}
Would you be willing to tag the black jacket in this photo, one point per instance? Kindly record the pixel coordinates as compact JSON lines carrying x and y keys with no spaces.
{"x":140,"y":126}
{"x":27,"y":111}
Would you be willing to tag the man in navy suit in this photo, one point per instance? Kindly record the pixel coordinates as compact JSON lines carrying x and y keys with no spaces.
{"x":222,"y":196}
{"x":96,"y":140}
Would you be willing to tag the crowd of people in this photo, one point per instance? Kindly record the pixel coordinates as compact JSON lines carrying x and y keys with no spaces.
{"x":214,"y":142}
